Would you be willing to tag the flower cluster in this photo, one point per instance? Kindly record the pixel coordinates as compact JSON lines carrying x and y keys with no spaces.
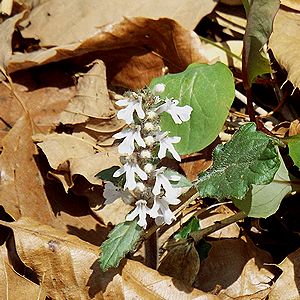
{"x":142,"y":147}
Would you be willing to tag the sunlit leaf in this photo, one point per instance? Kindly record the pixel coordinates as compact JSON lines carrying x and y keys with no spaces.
{"x":121,"y":240}
{"x":249,"y":158}
{"x":209,"y":90}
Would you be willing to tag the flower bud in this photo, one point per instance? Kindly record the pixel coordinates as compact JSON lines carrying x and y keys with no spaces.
{"x":148,"y":168}
{"x":149,"y":140}
{"x":159,"y":88}
{"x":148,"y":126}
{"x":145,"y":154}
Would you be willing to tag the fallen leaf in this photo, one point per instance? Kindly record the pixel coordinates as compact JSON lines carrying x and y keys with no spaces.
{"x":181,"y":262}
{"x":294,"y":4}
{"x":288,"y":282}
{"x":21,"y":183}
{"x":79,"y":20}
{"x":43,"y":103}
{"x":134,"y":51}
{"x":237,"y":266}
{"x":286,"y":35}
{"x":13,"y":285}
{"x":68,"y":268}
{"x":91,"y":99}
{"x":76,"y":154}
{"x":6,"y":31}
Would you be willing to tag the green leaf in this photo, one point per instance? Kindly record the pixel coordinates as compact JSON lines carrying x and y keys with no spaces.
{"x":107,"y":175}
{"x":249,"y":158}
{"x":262,"y":201}
{"x":182,"y":183}
{"x":121,"y":240}
{"x":191,"y":226}
{"x":260,"y":18}
{"x":209,"y":90}
{"x":294,"y":148}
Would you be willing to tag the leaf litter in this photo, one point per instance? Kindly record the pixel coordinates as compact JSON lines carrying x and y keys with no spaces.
{"x":56,"y":212}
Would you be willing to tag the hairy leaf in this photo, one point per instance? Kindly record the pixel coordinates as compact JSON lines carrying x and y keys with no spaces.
{"x":249,"y":158}
{"x":261,"y":201}
{"x":258,"y":30}
{"x":209,"y":90}
{"x":121,"y":240}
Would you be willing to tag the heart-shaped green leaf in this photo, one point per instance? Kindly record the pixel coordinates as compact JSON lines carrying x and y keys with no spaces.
{"x":209,"y":90}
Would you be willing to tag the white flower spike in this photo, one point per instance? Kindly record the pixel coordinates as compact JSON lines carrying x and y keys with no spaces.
{"x":179,"y":114}
{"x":130,"y":169}
{"x":141,"y":210}
{"x":166,"y":143}
{"x":132,"y":105}
{"x":131,"y":136}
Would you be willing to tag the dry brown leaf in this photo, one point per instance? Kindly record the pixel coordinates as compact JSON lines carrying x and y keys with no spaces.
{"x":43,"y":104}
{"x":6,"y":31}
{"x":13,"y":285}
{"x":237,"y":267}
{"x":78,"y":19}
{"x":134,"y":51}
{"x":68,"y":268}
{"x":294,"y":4}
{"x":294,"y":127}
{"x":216,"y":54}
{"x":91,"y":99}
{"x":287,"y":285}
{"x":181,"y":262}
{"x":21,"y":188}
{"x":284,"y":43}
{"x":232,"y":19}
{"x":76,"y":154}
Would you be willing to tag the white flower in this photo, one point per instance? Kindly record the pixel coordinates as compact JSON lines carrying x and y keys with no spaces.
{"x":165,"y":143}
{"x":179,"y":114}
{"x":161,"y":211}
{"x":130,"y":135}
{"x":161,"y":180}
{"x":132,"y":105}
{"x":141,"y":210}
{"x":159,"y":88}
{"x":112,"y":193}
{"x":130,"y":169}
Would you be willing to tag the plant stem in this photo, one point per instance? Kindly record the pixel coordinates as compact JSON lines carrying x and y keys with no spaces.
{"x":151,"y":251}
{"x":197,"y":236}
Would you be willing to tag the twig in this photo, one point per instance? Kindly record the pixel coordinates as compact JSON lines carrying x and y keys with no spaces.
{"x":199,"y":235}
